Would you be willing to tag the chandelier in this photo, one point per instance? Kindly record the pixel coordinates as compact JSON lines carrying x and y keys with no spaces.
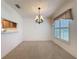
{"x":39,"y":19}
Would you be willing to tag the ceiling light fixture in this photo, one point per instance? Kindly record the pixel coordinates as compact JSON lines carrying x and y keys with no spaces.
{"x":17,"y":6}
{"x":39,"y":19}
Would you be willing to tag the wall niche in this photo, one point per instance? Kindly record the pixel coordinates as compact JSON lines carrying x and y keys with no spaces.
{"x":8,"y":26}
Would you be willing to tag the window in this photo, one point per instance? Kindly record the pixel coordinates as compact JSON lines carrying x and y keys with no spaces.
{"x":61,"y":29}
{"x":61,"y":25}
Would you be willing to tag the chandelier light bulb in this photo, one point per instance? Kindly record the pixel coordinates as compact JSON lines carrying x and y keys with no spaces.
{"x":36,"y":18}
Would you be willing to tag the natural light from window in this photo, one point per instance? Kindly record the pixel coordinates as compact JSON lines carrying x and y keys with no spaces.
{"x":61,"y":29}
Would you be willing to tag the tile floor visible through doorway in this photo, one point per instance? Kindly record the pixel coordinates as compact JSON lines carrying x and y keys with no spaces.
{"x":38,"y":50}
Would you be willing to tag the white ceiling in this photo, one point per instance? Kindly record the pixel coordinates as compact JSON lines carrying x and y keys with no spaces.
{"x":29,"y":8}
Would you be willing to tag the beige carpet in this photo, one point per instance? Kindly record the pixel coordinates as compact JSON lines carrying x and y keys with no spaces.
{"x":38,"y":50}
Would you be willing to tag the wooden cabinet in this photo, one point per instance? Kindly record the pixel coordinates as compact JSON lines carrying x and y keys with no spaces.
{"x":8,"y":24}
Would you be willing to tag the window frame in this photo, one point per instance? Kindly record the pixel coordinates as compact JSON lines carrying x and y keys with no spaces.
{"x":60,"y":33}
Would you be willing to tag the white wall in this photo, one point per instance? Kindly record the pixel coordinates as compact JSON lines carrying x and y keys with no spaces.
{"x":10,"y":40}
{"x":70,"y":47}
{"x":36,"y":32}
